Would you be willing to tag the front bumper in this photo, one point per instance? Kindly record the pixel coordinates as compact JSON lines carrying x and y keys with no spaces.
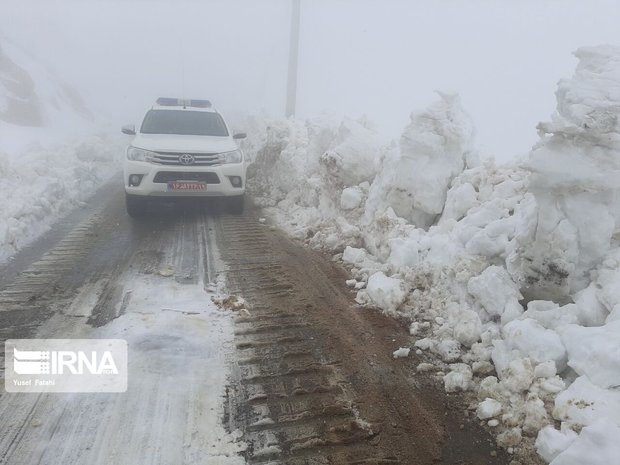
{"x":154,"y":179}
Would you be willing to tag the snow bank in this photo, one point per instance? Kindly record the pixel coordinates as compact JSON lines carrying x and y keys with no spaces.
{"x":42,"y":176}
{"x":41,"y":184}
{"x":309,"y":170}
{"x":509,"y":274}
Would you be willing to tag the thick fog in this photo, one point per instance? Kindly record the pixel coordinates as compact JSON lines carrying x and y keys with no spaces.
{"x":378,"y":58}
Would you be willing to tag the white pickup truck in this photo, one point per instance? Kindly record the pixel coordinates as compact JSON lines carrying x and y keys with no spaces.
{"x":183,"y":148}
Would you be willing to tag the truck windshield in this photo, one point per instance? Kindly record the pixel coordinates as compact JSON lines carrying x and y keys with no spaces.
{"x":194,"y":123}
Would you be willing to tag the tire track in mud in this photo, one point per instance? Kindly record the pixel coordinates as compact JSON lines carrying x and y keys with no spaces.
{"x":24,"y":304}
{"x":286,"y":396}
{"x":314,"y":381}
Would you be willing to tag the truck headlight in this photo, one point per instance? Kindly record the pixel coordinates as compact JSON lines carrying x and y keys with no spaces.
{"x":136,"y":154}
{"x":231,"y":157}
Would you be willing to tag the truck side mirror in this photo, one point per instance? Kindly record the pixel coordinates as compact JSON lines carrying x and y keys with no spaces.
{"x":129,"y":129}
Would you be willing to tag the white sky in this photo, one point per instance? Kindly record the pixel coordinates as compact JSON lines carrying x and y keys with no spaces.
{"x":382,"y":58}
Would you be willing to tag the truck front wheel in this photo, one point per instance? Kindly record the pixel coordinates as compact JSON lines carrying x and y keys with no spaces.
{"x":235,"y":204}
{"x":136,"y":205}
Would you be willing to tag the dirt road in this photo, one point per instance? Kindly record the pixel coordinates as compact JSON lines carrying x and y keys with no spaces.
{"x":304,"y":375}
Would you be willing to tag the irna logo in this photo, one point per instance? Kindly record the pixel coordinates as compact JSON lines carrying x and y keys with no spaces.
{"x":58,"y":362}
{"x":65,"y":365}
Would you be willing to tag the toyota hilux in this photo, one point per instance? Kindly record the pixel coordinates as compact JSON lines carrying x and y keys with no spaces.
{"x":183,"y":149}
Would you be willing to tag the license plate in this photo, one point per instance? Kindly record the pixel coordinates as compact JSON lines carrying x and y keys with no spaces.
{"x":187,"y":186}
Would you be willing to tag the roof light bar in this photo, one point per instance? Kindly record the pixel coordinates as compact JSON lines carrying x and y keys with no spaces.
{"x":199,"y":103}
{"x":177,"y":102}
{"x":169,"y":102}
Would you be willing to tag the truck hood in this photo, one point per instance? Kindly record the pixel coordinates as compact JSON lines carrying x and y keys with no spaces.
{"x":181,"y":143}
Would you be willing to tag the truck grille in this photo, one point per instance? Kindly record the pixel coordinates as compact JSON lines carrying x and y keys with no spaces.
{"x":200,"y":159}
{"x":166,"y":176}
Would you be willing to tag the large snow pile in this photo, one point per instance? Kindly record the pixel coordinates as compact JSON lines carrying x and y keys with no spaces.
{"x":416,"y":175}
{"x":576,"y":180}
{"x":311,"y":169}
{"x":510,"y":275}
{"x":42,"y":175}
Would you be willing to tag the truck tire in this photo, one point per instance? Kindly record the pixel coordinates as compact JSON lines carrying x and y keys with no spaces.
{"x":235,"y":204}
{"x":136,"y":205}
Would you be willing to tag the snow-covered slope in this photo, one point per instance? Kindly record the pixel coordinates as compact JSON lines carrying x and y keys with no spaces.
{"x":48,"y":163}
{"x":30,"y":95}
{"x":509,"y":274}
{"x":35,"y":104}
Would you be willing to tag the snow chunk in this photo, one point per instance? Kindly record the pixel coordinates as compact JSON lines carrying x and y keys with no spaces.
{"x":595,"y":352}
{"x":352,"y":157}
{"x":550,"y":315}
{"x":425,"y":343}
{"x":468,"y":327}
{"x":448,"y":349}
{"x":482,"y":367}
{"x":583,"y":403}
{"x":351,"y":198}
{"x":534,"y":341}
{"x":591,"y":311}
{"x":550,"y":442}
{"x":598,"y":444}
{"x":387,"y":293}
{"x":545,"y":370}
{"x":497,"y":293}
{"x":459,"y":200}
{"x":402,"y":352}
{"x":488,"y":408}
{"x":459,"y":379}
{"x":403,"y":252}
{"x":353,"y":255}
{"x":535,"y":416}
{"x":416,"y":327}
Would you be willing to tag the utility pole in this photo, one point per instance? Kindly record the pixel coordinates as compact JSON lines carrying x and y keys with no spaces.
{"x":291,"y":88}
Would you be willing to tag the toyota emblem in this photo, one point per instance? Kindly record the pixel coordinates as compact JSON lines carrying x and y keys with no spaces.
{"x":186,"y":159}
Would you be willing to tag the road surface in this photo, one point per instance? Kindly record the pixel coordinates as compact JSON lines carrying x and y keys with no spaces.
{"x":300,"y":375}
